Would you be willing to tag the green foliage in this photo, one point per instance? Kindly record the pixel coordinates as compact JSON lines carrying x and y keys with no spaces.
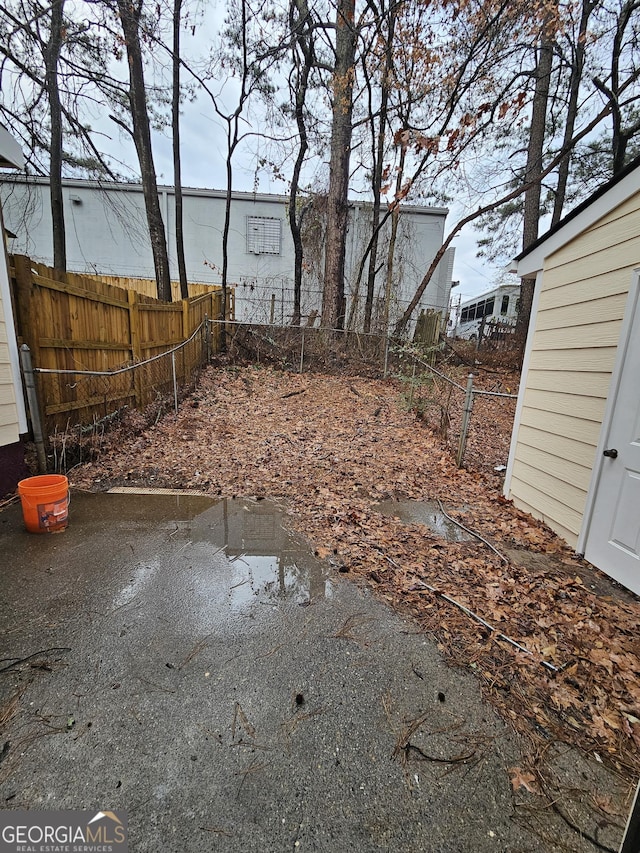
{"x":424,"y":393}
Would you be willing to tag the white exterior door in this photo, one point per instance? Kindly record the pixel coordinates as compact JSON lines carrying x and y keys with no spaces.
{"x":613,"y":539}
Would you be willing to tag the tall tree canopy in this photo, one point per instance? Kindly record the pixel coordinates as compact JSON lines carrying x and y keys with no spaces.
{"x":514,"y":110}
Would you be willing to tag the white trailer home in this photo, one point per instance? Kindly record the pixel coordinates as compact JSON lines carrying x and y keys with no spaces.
{"x":106,"y":233}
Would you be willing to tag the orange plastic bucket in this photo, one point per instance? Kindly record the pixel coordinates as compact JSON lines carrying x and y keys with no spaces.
{"x":45,"y":503}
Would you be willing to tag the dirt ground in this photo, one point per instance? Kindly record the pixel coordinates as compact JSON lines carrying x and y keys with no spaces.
{"x":330,"y":449}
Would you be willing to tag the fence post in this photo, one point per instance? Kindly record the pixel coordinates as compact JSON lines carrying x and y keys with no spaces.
{"x":216,"y":302}
{"x":186,"y":330}
{"x":386,"y":356}
{"x":34,"y":410}
{"x":207,"y":339}
{"x":302,"y":351}
{"x":466,"y":415}
{"x":134,"y":343}
{"x":175,"y":383}
{"x":227,"y":316}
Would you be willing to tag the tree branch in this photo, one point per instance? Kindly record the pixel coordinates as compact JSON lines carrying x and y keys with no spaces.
{"x":481,"y":211}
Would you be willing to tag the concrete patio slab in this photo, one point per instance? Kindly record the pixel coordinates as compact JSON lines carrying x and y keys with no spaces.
{"x":192,"y":663}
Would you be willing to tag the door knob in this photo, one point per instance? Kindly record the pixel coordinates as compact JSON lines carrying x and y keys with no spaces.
{"x":612,"y":453}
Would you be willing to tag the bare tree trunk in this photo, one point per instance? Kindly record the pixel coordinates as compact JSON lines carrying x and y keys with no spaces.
{"x":614,"y":92}
{"x":391,"y":250}
{"x":333,"y":308}
{"x":620,"y":137}
{"x":233,"y":135}
{"x":225,"y":243}
{"x":177,"y":170}
{"x":577,"y":67}
{"x":130,"y":12}
{"x":532,"y":174}
{"x":52,"y":56}
{"x":392,"y":244}
{"x":295,"y":223}
{"x":298,"y":22}
{"x":378,"y":167}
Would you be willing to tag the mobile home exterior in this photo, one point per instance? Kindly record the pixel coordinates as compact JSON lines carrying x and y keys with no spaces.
{"x":575,"y":450}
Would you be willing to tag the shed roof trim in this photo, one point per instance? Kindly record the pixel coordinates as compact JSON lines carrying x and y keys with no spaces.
{"x":603,"y":201}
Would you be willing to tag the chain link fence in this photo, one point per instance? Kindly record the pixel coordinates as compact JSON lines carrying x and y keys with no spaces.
{"x":472,"y":410}
{"x":71,"y":410}
{"x":469,"y":405}
{"x":302,"y":348}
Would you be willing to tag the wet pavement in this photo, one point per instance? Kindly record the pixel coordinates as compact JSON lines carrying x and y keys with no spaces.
{"x":200,"y":669}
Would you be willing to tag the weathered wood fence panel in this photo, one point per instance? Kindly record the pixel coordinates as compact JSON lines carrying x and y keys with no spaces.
{"x":81,"y":323}
{"x":428,"y":327}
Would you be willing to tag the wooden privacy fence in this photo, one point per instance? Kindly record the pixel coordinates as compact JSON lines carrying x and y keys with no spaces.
{"x":144,"y":286}
{"x":79,"y":328}
{"x":428,"y":327}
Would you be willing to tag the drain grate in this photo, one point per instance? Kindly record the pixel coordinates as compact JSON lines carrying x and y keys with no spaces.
{"x":141,"y":490}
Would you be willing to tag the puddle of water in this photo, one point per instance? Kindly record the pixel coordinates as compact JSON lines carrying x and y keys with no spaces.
{"x":427,"y":513}
{"x":268,"y":563}
{"x":273,"y":579}
{"x":238,"y":550}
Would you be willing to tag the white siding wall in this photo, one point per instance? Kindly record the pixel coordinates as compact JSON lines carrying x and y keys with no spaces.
{"x":584,"y":290}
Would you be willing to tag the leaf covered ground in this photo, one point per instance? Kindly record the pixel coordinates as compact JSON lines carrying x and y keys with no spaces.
{"x":330,"y":449}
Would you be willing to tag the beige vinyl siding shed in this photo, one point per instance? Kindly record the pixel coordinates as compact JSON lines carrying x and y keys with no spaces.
{"x":9,"y":424}
{"x":584,"y":270}
{"x":13,"y":420}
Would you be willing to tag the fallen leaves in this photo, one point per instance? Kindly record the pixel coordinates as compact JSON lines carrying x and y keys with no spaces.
{"x":331,"y":455}
{"x":322,"y":552}
{"x":522,"y":779}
